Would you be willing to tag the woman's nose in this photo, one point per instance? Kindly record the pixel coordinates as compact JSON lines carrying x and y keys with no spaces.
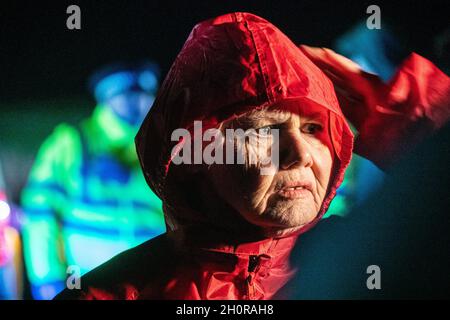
{"x":295,"y":152}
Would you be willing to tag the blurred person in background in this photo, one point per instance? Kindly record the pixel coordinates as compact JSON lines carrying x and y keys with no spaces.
{"x":10,"y":249}
{"x":86,"y":199}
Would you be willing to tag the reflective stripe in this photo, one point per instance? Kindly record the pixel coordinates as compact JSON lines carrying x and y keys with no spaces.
{"x":46,"y":185}
{"x":80,"y":228}
{"x":39,"y":212}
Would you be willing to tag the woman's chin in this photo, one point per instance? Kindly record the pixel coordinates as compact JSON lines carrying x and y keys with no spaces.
{"x":285,"y":227}
{"x":276,"y":232}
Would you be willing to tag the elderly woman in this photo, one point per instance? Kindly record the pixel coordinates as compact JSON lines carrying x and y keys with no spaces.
{"x":231,"y":228}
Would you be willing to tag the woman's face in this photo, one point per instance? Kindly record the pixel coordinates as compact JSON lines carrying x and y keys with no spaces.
{"x":291,"y":197}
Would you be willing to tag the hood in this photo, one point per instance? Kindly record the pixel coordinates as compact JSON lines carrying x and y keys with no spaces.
{"x":230,"y":65}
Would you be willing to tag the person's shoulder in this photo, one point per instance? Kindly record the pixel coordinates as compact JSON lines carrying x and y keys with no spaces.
{"x":57,"y":155}
{"x":64,"y":132}
{"x":123,"y":276}
{"x":61,"y":141}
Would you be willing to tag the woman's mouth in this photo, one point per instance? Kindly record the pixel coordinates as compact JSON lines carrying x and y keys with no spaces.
{"x":295,"y":190}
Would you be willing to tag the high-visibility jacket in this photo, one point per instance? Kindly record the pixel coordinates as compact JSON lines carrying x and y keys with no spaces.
{"x":86,"y":200}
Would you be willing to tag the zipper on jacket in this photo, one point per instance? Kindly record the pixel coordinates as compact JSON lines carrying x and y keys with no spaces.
{"x":253,"y":264}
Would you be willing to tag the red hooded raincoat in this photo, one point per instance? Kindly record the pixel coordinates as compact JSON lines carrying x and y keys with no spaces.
{"x":229,"y":65}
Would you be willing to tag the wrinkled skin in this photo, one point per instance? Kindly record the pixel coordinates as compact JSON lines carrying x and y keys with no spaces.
{"x":305,"y":157}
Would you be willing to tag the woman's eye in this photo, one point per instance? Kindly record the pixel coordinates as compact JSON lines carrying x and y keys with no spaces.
{"x":267,"y":130}
{"x":312,"y":128}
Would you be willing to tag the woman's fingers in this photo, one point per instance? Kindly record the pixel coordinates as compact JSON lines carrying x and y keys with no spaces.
{"x":356,"y":90}
{"x":344,"y":73}
{"x":339,"y":70}
{"x":328,"y":59}
{"x":347,"y":76}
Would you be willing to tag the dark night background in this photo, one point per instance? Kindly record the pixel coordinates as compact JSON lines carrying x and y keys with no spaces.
{"x":44,"y":66}
{"x":41,"y":58}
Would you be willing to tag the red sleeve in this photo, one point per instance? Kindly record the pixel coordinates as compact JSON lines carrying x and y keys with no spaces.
{"x":414,"y":104}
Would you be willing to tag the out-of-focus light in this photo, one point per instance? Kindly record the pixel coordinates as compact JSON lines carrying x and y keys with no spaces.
{"x":114,"y":84}
{"x":4,"y":210}
{"x":148,"y":81}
